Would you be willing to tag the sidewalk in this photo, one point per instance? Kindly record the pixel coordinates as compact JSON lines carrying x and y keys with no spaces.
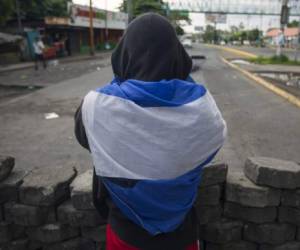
{"x":26,"y":65}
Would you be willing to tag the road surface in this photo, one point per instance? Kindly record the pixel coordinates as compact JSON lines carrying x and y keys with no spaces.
{"x":259,"y":122}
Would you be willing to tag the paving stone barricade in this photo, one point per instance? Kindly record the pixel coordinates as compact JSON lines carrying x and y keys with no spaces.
{"x":51,"y":208}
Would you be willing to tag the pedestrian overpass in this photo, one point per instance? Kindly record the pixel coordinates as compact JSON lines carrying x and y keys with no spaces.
{"x":234,"y":7}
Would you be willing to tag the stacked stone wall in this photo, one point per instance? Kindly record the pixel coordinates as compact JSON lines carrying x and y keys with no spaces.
{"x":52,"y":208}
{"x":260,"y":208}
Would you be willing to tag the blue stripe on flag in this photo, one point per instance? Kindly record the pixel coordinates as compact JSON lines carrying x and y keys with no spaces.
{"x":158,"y":206}
{"x":165,"y":93}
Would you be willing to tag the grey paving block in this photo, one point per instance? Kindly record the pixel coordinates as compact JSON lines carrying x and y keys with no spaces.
{"x":26,"y":215}
{"x":52,"y":233}
{"x":35,"y":245}
{"x":209,"y":196}
{"x":221,"y":232}
{"x":47,"y":186}
{"x":97,"y":234}
{"x":269,"y":233}
{"x":73,"y":244}
{"x":6,"y":233}
{"x":1,"y":213}
{"x":10,"y":186}
{"x":81,"y":191}
{"x":7,"y":164}
{"x":289,"y":215}
{"x":239,"y":245}
{"x":20,"y":244}
{"x":250,"y":214}
{"x":208,"y":214}
{"x":293,"y":245}
{"x":244,"y":192}
{"x":290,"y":198}
{"x":68,"y":214}
{"x":273,"y":172}
{"x":214,"y":174}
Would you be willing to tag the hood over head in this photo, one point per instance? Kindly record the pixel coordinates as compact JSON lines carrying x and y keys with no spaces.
{"x":150,"y":51}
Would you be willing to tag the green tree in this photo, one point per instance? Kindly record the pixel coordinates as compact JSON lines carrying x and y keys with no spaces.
{"x":293,"y":24}
{"x":210,"y":34}
{"x":254,"y":35}
{"x":140,"y":7}
{"x":7,"y":8}
{"x":157,"y":6}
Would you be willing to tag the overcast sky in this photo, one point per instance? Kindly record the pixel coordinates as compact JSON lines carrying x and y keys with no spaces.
{"x":250,"y":22}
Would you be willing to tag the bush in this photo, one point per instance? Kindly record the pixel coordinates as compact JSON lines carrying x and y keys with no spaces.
{"x":280,"y":59}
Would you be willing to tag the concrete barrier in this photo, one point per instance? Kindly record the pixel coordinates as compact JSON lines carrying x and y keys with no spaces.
{"x":51,"y":208}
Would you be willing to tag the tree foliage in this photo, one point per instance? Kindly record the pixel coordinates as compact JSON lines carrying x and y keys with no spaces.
{"x":293,"y":24}
{"x":6,"y":10}
{"x":32,"y":9}
{"x":157,"y":6}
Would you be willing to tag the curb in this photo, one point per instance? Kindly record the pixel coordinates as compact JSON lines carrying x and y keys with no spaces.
{"x":235,"y":51}
{"x":63,"y":61}
{"x":280,"y":92}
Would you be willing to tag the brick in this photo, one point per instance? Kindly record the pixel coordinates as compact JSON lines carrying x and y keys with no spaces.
{"x":10,"y":186}
{"x":250,"y":214}
{"x":7,"y":164}
{"x":220,"y":232}
{"x":25,"y":215}
{"x":73,"y":244}
{"x":209,"y":196}
{"x":290,"y":198}
{"x":6,"y":234}
{"x":269,"y":233}
{"x":293,"y":245}
{"x":242,"y":191}
{"x":20,"y":244}
{"x":273,"y":172}
{"x":1,"y":213}
{"x":240,"y":245}
{"x":47,"y":186}
{"x":214,"y":174}
{"x":68,"y":214}
{"x":35,"y":245}
{"x":97,"y":234}
{"x":81,"y":191}
{"x":289,"y":215}
{"x":208,"y":214}
{"x":52,"y":233}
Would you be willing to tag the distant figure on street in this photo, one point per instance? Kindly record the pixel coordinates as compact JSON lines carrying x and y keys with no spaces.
{"x":150,"y":132}
{"x":39,"y":47}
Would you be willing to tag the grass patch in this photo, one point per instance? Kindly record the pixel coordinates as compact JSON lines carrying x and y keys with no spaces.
{"x":283,"y":59}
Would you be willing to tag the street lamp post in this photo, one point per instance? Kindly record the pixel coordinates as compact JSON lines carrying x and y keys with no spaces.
{"x":92,"y":46}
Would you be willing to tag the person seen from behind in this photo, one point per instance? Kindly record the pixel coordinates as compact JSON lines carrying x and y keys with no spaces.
{"x":150,"y":132}
{"x":38,"y":47}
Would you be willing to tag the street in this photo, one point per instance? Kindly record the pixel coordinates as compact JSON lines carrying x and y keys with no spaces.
{"x":259,"y":122}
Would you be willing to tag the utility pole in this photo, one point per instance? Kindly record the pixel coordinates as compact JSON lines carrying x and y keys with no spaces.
{"x":298,"y":40}
{"x":19,"y":16}
{"x":283,"y":21}
{"x":92,"y":46}
{"x":129,"y":10}
{"x":106,"y":45}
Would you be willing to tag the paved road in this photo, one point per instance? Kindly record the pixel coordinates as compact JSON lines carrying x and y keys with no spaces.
{"x":267,"y":51}
{"x":259,"y":122}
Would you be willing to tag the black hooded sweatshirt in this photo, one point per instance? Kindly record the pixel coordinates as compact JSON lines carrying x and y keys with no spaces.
{"x":149,"y":51}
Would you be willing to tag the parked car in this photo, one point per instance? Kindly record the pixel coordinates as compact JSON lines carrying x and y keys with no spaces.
{"x":187,"y":43}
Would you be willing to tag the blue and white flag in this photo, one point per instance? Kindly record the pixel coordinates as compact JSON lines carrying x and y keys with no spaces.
{"x":157,"y":135}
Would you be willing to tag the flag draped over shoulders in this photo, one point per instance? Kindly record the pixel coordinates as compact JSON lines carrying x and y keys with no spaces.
{"x":149,"y":143}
